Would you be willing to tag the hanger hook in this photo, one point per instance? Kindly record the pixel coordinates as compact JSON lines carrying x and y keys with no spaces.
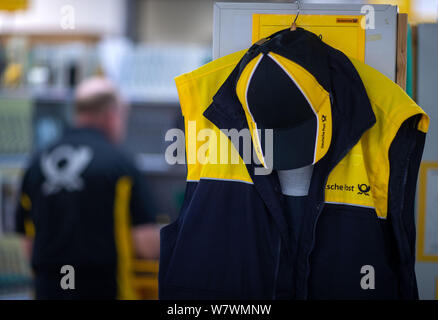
{"x":298,"y":10}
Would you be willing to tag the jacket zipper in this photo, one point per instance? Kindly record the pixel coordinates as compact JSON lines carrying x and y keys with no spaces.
{"x":312,"y":247}
{"x":321,"y":207}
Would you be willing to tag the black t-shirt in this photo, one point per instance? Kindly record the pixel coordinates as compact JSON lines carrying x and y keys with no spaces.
{"x":80,"y":196}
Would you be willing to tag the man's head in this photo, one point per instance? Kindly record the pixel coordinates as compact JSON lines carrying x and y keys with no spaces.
{"x":98,"y":104}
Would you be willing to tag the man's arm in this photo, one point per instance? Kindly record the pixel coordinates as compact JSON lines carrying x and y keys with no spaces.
{"x":146,"y":241}
{"x":145,"y":232}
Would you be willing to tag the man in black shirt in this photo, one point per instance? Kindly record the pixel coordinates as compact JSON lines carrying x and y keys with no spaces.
{"x":85,"y":205}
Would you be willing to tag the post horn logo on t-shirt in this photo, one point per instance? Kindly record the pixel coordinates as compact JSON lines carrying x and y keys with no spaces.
{"x":63,"y":167}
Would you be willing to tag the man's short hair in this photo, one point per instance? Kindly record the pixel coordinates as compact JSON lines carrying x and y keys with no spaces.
{"x":96,"y":103}
{"x":95,"y":95}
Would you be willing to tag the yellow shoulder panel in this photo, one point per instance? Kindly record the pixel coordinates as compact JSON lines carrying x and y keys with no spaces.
{"x":364,"y":172}
{"x":206,"y":145}
{"x":197,"y":88}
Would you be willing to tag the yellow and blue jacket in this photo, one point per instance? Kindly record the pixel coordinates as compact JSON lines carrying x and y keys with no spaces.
{"x":232,"y":238}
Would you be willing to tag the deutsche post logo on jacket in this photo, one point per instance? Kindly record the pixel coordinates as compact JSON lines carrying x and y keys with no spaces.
{"x":363,"y":138}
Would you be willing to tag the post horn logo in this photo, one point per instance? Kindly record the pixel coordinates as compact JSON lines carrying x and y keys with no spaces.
{"x":364,"y":189}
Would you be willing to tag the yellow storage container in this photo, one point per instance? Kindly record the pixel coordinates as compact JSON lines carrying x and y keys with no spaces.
{"x":339,"y":31}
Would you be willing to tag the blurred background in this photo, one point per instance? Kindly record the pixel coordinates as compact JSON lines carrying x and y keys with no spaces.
{"x":48,"y":46}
